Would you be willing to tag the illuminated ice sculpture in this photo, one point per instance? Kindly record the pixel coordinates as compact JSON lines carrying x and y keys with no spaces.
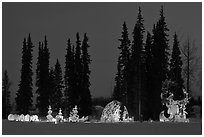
{"x":115,"y":112}
{"x":176,"y":109}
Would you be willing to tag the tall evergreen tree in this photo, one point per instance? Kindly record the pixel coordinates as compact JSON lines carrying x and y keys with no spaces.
{"x":6,"y":106}
{"x":77,"y":72}
{"x":137,"y":70}
{"x":42,"y":78}
{"x":117,"y":92}
{"x":160,"y":62}
{"x":56,"y":95}
{"x":52,"y":85}
{"x":85,"y":102}
{"x":69,"y":78}
{"x":148,"y":68}
{"x":121,"y":87}
{"x":24,"y":94}
{"x":176,"y":70}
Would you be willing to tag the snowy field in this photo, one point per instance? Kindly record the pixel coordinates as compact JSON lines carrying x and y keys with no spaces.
{"x":134,"y":128}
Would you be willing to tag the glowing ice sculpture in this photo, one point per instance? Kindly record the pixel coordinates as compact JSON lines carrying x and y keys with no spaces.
{"x":11,"y":117}
{"x":176,"y":109}
{"x":59,"y":117}
{"x":49,"y":116}
{"x":27,"y":118}
{"x":113,"y":112}
{"x":73,"y":116}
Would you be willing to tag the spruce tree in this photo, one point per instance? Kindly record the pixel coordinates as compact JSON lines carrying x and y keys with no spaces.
{"x":148,"y":71}
{"x":6,"y":106}
{"x":51,"y":86}
{"x":24,"y":93}
{"x":137,"y":70}
{"x":69,"y":78}
{"x":176,"y":70}
{"x":85,"y":95}
{"x":56,"y":95}
{"x":117,"y":92}
{"x":160,"y":62}
{"x":77,"y":72}
{"x":121,"y":87}
{"x":42,"y":78}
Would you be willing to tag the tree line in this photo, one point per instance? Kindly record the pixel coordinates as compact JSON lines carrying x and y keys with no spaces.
{"x":52,"y":88}
{"x":143,"y":67}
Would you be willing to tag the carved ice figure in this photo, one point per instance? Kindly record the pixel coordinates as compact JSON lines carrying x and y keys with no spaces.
{"x":73,"y":116}
{"x":16,"y":117}
{"x":59,"y":117}
{"x":176,"y":108}
{"x":11,"y":117}
{"x":49,"y":116}
{"x":113,"y":112}
{"x":27,"y":117}
{"x":34,"y":118}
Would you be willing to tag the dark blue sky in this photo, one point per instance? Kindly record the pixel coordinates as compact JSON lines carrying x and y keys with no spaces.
{"x":103,"y":24}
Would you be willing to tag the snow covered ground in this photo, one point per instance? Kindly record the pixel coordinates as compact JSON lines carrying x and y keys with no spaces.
{"x":134,"y":128}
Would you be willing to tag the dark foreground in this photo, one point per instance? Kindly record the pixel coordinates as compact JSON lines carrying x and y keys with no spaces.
{"x":136,"y":128}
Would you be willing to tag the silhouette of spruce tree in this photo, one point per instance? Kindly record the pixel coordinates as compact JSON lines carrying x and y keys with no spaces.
{"x":56,"y":94}
{"x":52,"y":85}
{"x":148,"y":70}
{"x":69,"y":78}
{"x":85,"y":95}
{"x":24,"y":93}
{"x":117,"y":92}
{"x":160,"y":62}
{"x":121,"y":87}
{"x":176,"y":70}
{"x":42,"y":78}
{"x":137,"y":71}
{"x":77,"y":73}
{"x":6,"y":106}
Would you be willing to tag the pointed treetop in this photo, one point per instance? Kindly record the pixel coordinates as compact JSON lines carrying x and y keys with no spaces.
{"x":139,"y":9}
{"x":29,"y":38}
{"x":57,"y":61}
{"x":77,"y":35}
{"x":139,"y":13}
{"x":124,"y":25}
{"x":68,"y":42}
{"x":24,"y":41}
{"x":162,"y":11}
{"x":85,"y":37}
{"x":45,"y":41}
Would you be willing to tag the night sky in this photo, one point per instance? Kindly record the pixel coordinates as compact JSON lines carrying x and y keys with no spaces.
{"x":103,"y":24}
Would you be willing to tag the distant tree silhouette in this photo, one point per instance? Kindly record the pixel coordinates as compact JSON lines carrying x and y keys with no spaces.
{"x":69,"y":78}
{"x":137,"y":71}
{"x":42,"y":78}
{"x":121,"y":88}
{"x":176,"y":70}
{"x":24,"y":93}
{"x":85,"y":95}
{"x":6,"y":106}
{"x":56,"y":95}
{"x":160,"y":62}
